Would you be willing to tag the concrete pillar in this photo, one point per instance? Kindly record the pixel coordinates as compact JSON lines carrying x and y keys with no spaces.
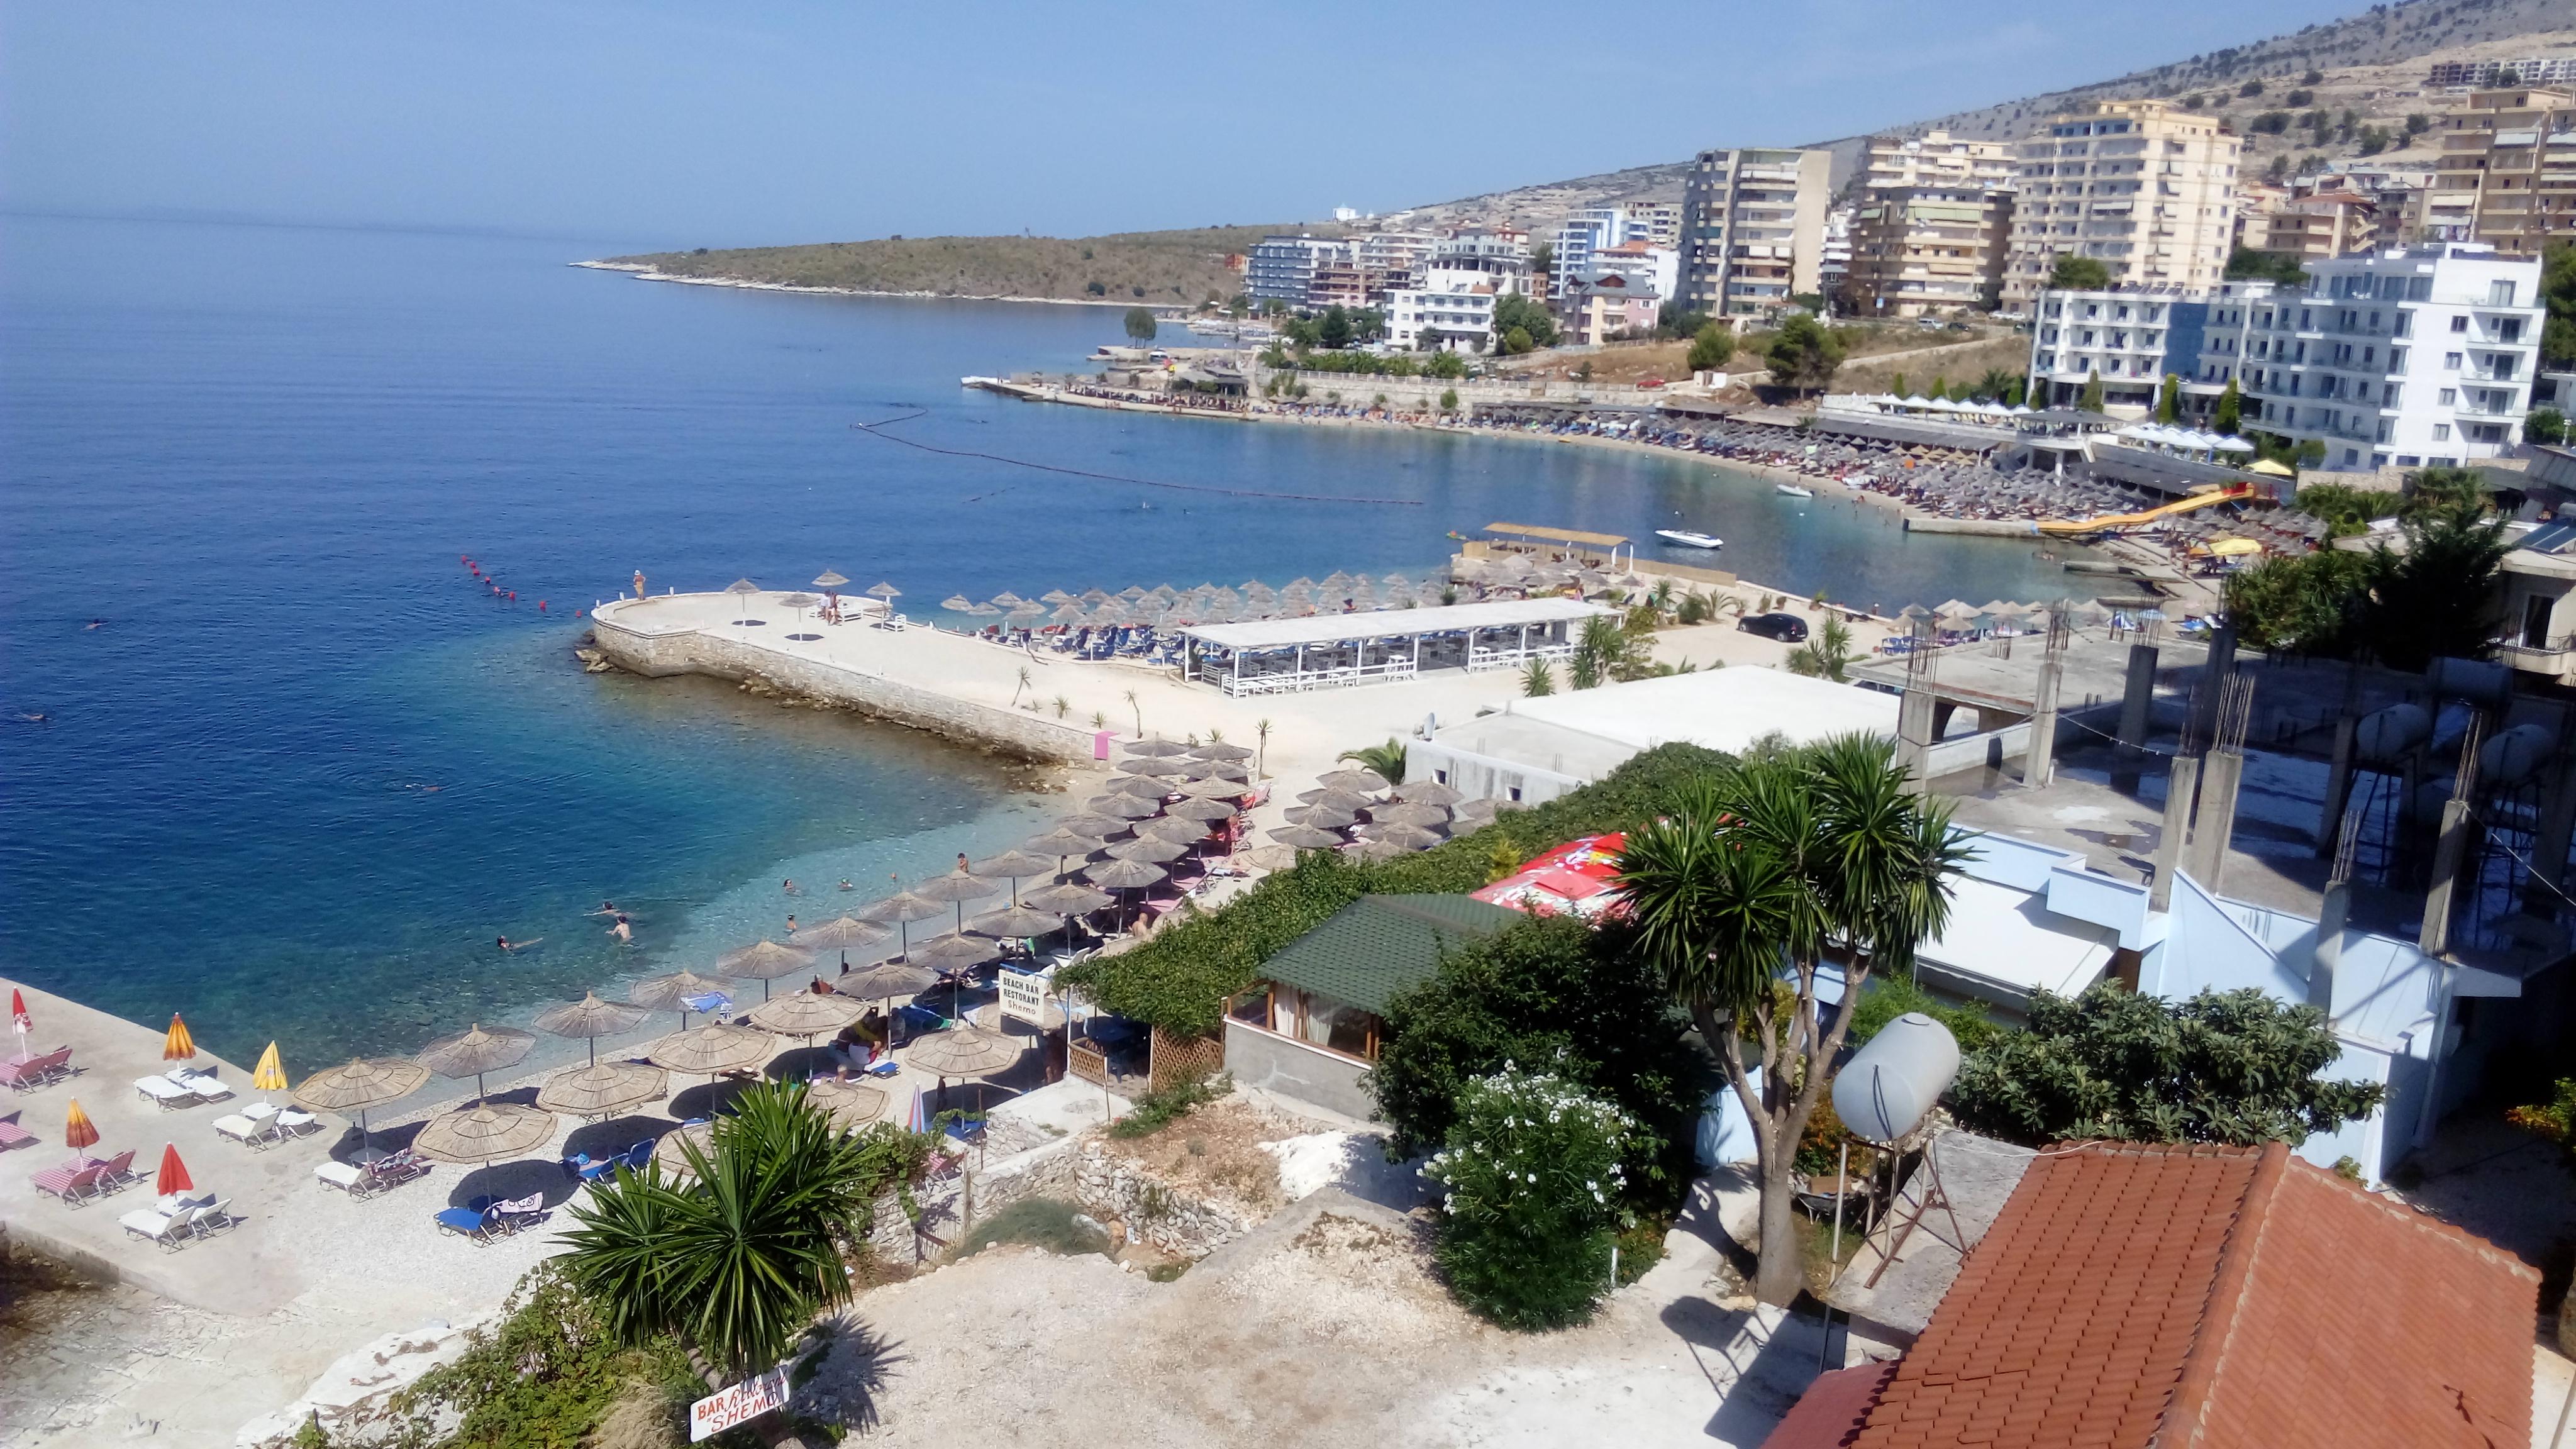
{"x":2039,"y":760}
{"x":2137,"y":702}
{"x":1942,"y":710}
{"x":2448,"y":852}
{"x":2213,"y":675}
{"x":2213,"y":822}
{"x":2178,"y":796}
{"x":2338,"y":788}
{"x":2333,"y":909}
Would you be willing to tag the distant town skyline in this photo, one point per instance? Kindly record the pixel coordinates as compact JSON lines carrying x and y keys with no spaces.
{"x":655,"y":124}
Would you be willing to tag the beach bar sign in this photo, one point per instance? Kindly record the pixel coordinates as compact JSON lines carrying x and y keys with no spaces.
{"x":1024,"y":995}
{"x":738,"y":1404}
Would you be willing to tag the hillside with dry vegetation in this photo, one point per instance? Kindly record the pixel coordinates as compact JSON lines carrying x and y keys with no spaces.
{"x":1162,"y":268}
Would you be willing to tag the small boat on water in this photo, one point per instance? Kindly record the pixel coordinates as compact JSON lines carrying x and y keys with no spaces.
{"x":1794,"y":490}
{"x":1684,"y":538}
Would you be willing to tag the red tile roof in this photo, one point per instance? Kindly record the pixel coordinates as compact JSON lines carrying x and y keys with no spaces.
{"x":1829,"y":1414}
{"x":2133,"y":1295}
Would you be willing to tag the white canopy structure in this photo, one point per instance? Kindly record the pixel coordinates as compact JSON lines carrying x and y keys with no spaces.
{"x":1330,"y":651}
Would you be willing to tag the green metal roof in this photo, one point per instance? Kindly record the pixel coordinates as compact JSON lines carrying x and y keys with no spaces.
{"x":1378,"y":945}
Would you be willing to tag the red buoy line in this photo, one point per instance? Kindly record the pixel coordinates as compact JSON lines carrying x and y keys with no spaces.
{"x":495,"y":588}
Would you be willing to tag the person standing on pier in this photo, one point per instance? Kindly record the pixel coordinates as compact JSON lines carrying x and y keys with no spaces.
{"x":639,"y":583}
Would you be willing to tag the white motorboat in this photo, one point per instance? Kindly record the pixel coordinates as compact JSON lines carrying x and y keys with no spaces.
{"x":1794,"y":490}
{"x":1684,"y":538}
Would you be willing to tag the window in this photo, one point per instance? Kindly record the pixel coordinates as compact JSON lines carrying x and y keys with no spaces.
{"x":2450,"y":362}
{"x":2408,"y":460}
{"x":2459,"y":324}
{"x":2499,"y":294}
{"x":2447,"y":397}
{"x":2441,"y":432}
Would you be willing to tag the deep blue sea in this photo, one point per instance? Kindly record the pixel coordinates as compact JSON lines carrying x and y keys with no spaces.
{"x":303,"y":771}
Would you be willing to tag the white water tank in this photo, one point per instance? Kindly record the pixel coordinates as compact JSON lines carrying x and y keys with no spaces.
{"x":2386,"y":734}
{"x":2515,"y":755}
{"x":1888,"y":1086}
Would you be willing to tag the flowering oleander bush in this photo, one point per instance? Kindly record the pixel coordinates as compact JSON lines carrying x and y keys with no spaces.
{"x":1532,"y":1199}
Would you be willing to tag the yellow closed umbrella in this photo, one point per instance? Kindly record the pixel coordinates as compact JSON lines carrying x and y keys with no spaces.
{"x":178,"y":1046}
{"x":77,"y":1128}
{"x":2271,"y":469}
{"x":271,"y":1073}
{"x":2235,"y":547}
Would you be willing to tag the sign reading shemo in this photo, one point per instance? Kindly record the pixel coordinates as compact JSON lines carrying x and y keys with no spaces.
{"x":737,"y":1404}
{"x":1024,"y":995}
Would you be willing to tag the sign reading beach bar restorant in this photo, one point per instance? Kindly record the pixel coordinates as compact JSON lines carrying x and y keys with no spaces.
{"x":737,"y":1404}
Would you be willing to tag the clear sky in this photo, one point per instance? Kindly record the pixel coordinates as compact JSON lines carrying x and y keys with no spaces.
{"x":723,"y":125}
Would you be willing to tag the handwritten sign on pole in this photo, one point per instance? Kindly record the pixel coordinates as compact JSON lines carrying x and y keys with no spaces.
{"x":737,"y":1404}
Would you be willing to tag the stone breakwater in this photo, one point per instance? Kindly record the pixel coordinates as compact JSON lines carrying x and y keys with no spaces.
{"x":627,"y":633}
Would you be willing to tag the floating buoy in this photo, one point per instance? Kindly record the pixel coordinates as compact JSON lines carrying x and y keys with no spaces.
{"x":541,"y":606}
{"x":514,"y":596}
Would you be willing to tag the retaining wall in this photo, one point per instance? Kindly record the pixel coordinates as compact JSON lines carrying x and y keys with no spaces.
{"x":688,"y":651}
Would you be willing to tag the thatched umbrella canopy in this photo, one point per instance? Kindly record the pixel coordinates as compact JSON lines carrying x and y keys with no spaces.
{"x":589,"y":1017}
{"x":1016,"y":865}
{"x":1093,"y":823}
{"x":1156,"y":749}
{"x":1217,"y":770}
{"x":954,"y":953}
{"x":1402,"y":837}
{"x":1125,"y":874}
{"x":1335,"y":799}
{"x":1325,"y":817}
{"x":1306,"y":837}
{"x":479,"y":1049}
{"x":671,"y":1154}
{"x":484,"y":1133}
{"x":1377,"y":850}
{"x":365,"y":1083}
{"x":744,"y":591}
{"x":600,"y":1089}
{"x":1428,"y":792}
{"x":1409,"y":813}
{"x":1169,"y":827}
{"x":1124,"y":807}
{"x":1220,"y":750}
{"x":1149,"y":848}
{"x":765,"y":961}
{"x":843,"y":934}
{"x":957,"y":888}
{"x":1065,"y":844}
{"x":1214,"y":789}
{"x":851,"y":1105}
{"x":712,"y":1050}
{"x":885,"y":980}
{"x":964,"y":1051}
{"x":671,"y":991}
{"x":1365,"y":781}
{"x":806,"y":1015}
{"x":1143,"y":787}
{"x":1014,"y":923}
{"x":1203,"y":809}
{"x":903,"y":908}
{"x":1067,"y":899}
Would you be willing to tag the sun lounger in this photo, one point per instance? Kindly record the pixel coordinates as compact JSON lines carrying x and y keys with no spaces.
{"x":214,"y":1217}
{"x":13,"y":1135}
{"x":296,"y":1120}
{"x":257,"y":1136}
{"x":379,"y":1176}
{"x":116,"y":1172}
{"x":164,"y":1093}
{"x":25,"y":1074}
{"x":70,"y":1184}
{"x":355,"y":1181}
{"x":169,"y":1230}
{"x":202,"y":1084}
{"x":480,"y":1227}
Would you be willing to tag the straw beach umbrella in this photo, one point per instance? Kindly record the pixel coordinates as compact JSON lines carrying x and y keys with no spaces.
{"x":713,"y":1050}
{"x":671,"y":1154}
{"x":602,"y":1088}
{"x":476,"y":1050}
{"x":841,"y":934}
{"x":1428,"y":792}
{"x":1219,"y":750}
{"x":1402,"y":837}
{"x":902,"y":908}
{"x":1203,"y":809}
{"x":1068,"y":899}
{"x":671,"y":992}
{"x":962,"y":1051}
{"x":365,"y":1083}
{"x":1409,"y":813}
{"x":1365,"y":781}
{"x":805,"y":1015}
{"x":1324,"y":817}
{"x":1149,"y":848}
{"x":765,"y":961}
{"x":883,"y":982}
{"x":591,"y":1018}
{"x":176,"y":1044}
{"x":744,"y":590}
{"x":485,"y":1133}
{"x":1015,"y":866}
{"x":1064,"y":844}
{"x":955,"y":955}
{"x":1306,"y":837}
{"x":851,"y":1105}
{"x":1123,"y":807}
{"x":1156,"y":749}
{"x":1013,"y":923}
{"x":1168,"y":827}
{"x":956,"y":888}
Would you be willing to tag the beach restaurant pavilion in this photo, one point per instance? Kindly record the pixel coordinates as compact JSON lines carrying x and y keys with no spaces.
{"x":1330,"y":651}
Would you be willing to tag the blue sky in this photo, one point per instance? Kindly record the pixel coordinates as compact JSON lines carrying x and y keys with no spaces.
{"x":736,"y":125}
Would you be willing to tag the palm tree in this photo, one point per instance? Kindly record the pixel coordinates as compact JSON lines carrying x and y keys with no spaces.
{"x":1387,"y":759}
{"x":1827,"y":656}
{"x":1261,"y":734}
{"x":738,"y":1263}
{"x":1140,"y":713}
{"x":1023,"y":685}
{"x":1537,"y":679}
{"x":1742,"y":893}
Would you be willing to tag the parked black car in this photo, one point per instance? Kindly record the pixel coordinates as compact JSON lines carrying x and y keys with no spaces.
{"x":1787,"y":628}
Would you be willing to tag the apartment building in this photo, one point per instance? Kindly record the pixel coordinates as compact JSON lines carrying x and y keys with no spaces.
{"x":2144,"y":187}
{"x":1753,"y":227}
{"x":1463,"y":275}
{"x":1395,"y":257}
{"x":1282,"y":268}
{"x":1929,"y":248}
{"x":1657,"y":267}
{"x":1657,"y":223}
{"x":2328,"y":224}
{"x":1936,"y":158}
{"x":2128,"y":339}
{"x":1834,"y":255}
{"x":1598,"y":308}
{"x":2529,"y":71}
{"x":2403,"y":358}
{"x":2509,"y":159}
{"x":1586,"y":235}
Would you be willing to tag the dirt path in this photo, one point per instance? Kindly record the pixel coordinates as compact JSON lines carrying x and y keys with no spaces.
{"x":1326,"y":1327}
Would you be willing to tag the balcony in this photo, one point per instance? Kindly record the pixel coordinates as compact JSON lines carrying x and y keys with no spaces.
{"x":2549,"y":656}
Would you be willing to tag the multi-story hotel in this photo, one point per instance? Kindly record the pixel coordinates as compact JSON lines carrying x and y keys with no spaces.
{"x":1753,"y":230}
{"x":2146,"y":188}
{"x":2403,"y":359}
{"x":1929,"y":248}
{"x":2509,"y":162}
{"x":2127,"y":340}
{"x":1936,"y":158}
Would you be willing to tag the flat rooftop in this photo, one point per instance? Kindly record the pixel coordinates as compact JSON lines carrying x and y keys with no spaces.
{"x":1392,"y":623}
{"x":2005,"y":672}
{"x":1717,"y":709}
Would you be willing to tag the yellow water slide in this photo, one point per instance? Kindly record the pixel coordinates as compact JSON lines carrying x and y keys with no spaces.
{"x":2232,"y":493}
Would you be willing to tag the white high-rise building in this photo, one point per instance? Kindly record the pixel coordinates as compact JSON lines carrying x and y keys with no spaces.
{"x":1753,"y":230}
{"x":2406,"y":358}
{"x":2146,"y":188}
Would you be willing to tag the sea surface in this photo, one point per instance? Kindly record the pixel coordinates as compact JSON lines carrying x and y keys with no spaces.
{"x":271,"y":756}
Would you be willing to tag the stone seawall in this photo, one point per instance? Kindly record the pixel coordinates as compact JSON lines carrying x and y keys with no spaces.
{"x":657,"y":654}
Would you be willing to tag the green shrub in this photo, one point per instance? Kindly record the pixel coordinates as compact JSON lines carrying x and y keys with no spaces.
{"x":540,"y":1376}
{"x":2554,"y":1119}
{"x":1180,"y":980}
{"x":1157,"y":1110}
{"x":1040,"y":1222}
{"x":2236,"y":1067}
{"x":1552,"y":991}
{"x":1531,"y":1205}
{"x":1888,"y":997}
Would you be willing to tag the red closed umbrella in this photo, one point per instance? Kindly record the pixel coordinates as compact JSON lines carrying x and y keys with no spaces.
{"x":174,"y":1173}
{"x":19,"y":1021}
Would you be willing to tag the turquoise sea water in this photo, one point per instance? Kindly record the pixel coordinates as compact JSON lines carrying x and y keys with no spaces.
{"x":305,"y":771}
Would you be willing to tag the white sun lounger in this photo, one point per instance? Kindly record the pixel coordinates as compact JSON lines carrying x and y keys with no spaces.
{"x":167,"y":1229}
{"x":342,"y":1176}
{"x":164,"y":1093}
{"x":245,"y":1131}
{"x":295,"y":1120}
{"x":202,"y":1084}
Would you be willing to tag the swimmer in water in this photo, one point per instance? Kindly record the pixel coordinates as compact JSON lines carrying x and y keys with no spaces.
{"x":845,"y":884}
{"x":622,"y":931}
{"x":791,"y":923}
{"x":509,"y":945}
{"x":606,"y":908}
{"x":961,"y":862}
{"x":789,"y":887}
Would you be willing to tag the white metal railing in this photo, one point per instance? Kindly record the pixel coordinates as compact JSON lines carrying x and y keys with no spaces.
{"x":1480,"y":658}
{"x":1295,"y":681}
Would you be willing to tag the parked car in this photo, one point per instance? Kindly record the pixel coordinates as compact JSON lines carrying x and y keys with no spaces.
{"x":1787,"y":628}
